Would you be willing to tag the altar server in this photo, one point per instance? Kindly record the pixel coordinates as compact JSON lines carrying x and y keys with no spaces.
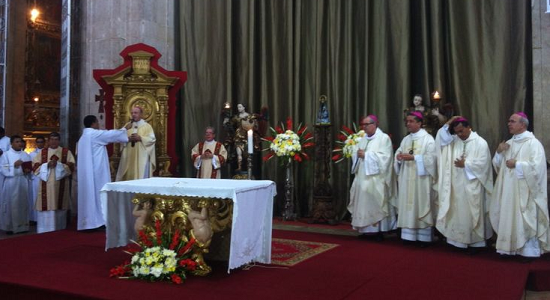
{"x":14,"y":206}
{"x":93,"y":170}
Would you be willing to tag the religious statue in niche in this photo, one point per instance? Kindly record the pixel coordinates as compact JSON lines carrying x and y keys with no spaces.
{"x":237,"y":127}
{"x":322,"y":114}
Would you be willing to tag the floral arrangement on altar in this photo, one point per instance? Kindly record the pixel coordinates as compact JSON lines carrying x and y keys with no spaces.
{"x":347,"y":143}
{"x":287,"y":144}
{"x":158,"y":258}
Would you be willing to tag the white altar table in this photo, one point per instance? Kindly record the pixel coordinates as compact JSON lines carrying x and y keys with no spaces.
{"x":252,"y":211}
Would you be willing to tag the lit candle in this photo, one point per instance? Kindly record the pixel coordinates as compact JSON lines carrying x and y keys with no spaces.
{"x":227,"y":106}
{"x":436,"y":96}
{"x":250,"y":142}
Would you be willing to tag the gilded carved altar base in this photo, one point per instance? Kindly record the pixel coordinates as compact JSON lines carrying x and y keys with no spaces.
{"x":195,"y":217}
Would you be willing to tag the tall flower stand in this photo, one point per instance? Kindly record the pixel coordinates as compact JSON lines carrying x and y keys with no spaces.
{"x":288,"y":212}
{"x":323,"y":207}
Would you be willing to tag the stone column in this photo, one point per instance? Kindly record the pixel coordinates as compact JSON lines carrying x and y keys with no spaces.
{"x":109,"y":26}
{"x":541,"y":72}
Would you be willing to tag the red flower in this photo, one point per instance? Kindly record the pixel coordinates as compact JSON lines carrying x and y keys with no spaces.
{"x":176,"y":279}
{"x":342,"y":137}
{"x":144,"y":239}
{"x":175,"y":240}
{"x":302,"y":130}
{"x":289,"y":123}
{"x":268,"y":156}
{"x":336,"y":157}
{"x":308,"y":135}
{"x":118,"y":271}
{"x":346,"y":129}
{"x":159,"y":233}
{"x":269,"y":138}
{"x":184,"y":249}
{"x":279,"y":129}
{"x":305,"y":155}
{"x":307,"y":145}
{"x":297,"y":157}
{"x":188,"y":264}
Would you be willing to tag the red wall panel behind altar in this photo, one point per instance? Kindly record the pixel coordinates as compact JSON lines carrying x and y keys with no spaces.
{"x":171,"y":122}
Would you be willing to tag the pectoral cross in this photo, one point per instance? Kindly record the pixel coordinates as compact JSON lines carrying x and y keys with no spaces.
{"x":411,"y":152}
{"x":100,"y":98}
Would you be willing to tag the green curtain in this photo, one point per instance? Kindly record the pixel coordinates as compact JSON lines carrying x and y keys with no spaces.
{"x":368,"y":57}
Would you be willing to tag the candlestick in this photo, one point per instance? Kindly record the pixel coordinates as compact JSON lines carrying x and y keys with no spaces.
{"x":250,"y":142}
{"x":437,"y":97}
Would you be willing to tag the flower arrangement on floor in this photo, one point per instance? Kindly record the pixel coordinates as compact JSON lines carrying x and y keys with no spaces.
{"x":157,"y":258}
{"x":288,"y":145}
{"x":347,"y":143}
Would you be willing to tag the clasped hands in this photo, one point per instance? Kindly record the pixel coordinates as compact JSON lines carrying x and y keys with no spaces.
{"x":404,"y":156}
{"x":134,"y":137}
{"x":503,"y":146}
{"x":207,"y":154}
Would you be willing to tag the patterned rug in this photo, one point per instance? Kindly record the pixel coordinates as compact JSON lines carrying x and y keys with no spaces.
{"x":291,"y":252}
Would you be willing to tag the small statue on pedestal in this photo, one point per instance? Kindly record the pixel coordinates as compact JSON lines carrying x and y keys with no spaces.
{"x":322,"y":114}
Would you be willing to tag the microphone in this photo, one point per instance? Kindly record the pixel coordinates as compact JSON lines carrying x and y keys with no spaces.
{"x":134,"y":131}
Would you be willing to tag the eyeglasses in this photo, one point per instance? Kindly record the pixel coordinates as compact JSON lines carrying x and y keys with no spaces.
{"x":366,"y":124}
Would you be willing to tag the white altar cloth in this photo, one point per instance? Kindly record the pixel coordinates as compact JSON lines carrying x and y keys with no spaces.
{"x":252,"y":211}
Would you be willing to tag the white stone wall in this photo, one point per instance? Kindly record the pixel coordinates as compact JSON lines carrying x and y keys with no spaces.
{"x":541,"y":72}
{"x":109,"y":26}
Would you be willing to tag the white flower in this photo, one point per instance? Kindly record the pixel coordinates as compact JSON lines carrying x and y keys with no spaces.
{"x":157,"y":270}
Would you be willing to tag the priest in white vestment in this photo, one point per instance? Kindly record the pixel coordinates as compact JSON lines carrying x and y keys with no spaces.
{"x":519,"y":207}
{"x":208,"y":156}
{"x":465,"y":184}
{"x":4,"y":147}
{"x":54,"y":166}
{"x":40,"y":142}
{"x":416,"y":166}
{"x":14,"y":205}
{"x":138,"y":158}
{"x":93,"y":170}
{"x":372,"y":194}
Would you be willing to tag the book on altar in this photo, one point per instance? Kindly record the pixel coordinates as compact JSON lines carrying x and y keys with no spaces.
{"x":26,"y":165}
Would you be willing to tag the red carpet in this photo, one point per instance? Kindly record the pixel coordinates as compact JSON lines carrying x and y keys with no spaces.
{"x":71,"y":265}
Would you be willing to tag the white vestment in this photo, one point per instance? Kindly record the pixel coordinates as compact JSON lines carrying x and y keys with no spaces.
{"x":464,"y":193}
{"x":372,"y":197}
{"x":33,"y":190}
{"x":14,"y":205}
{"x":138,"y":160}
{"x":417,"y":180}
{"x":94,"y":173}
{"x":5,"y":145}
{"x":519,"y":206}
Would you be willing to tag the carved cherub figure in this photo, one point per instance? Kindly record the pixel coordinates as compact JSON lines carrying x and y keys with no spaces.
{"x":202,"y":230}
{"x":142,"y":212}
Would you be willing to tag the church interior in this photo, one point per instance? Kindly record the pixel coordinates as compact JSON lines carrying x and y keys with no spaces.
{"x":249,"y":70}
